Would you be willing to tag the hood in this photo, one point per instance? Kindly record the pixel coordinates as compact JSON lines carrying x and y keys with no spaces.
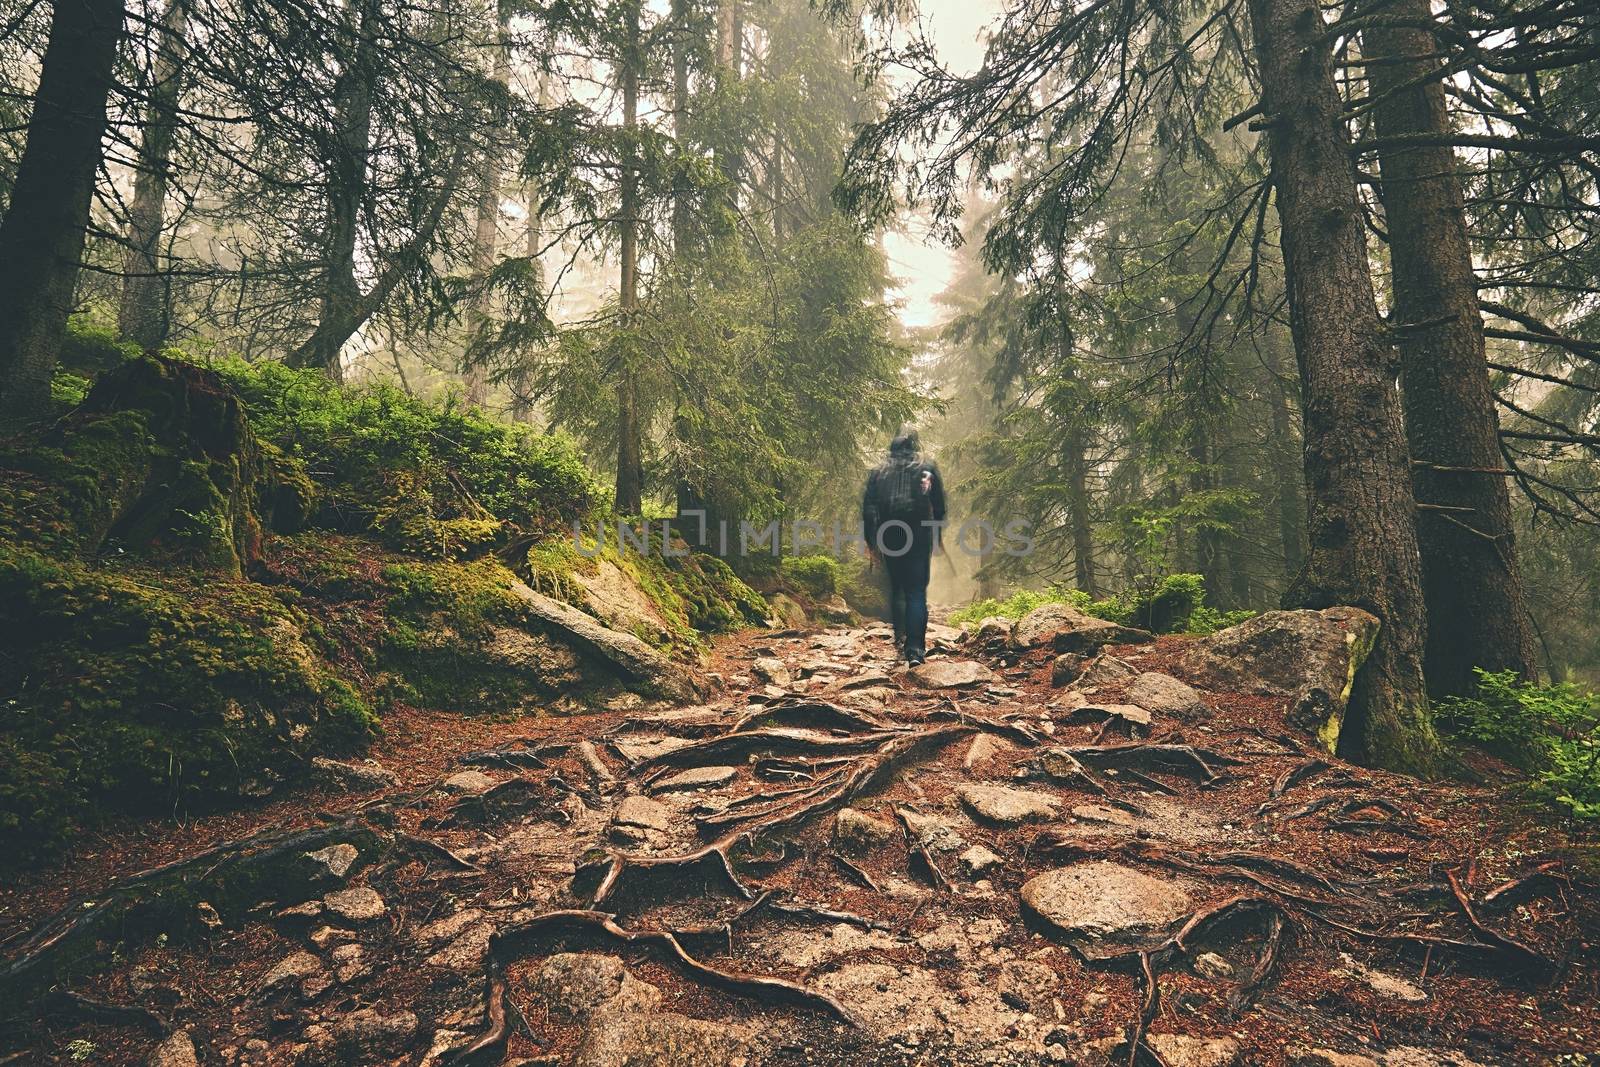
{"x":905,"y":443}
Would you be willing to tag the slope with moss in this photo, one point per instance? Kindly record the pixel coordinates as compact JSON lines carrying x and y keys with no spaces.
{"x":211,"y":574}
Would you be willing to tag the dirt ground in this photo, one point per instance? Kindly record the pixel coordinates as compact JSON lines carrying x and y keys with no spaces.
{"x":838,"y":862}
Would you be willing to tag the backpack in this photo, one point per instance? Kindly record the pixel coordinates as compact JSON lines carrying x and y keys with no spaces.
{"x":904,"y":486}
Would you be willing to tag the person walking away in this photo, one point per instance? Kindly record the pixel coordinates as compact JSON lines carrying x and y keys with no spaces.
{"x":901,"y":513}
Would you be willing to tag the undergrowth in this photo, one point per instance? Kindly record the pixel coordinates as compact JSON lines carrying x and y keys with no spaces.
{"x":1553,"y":731}
{"x":1174,"y":604}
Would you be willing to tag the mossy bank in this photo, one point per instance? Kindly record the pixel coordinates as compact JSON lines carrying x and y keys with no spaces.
{"x":208,"y":575}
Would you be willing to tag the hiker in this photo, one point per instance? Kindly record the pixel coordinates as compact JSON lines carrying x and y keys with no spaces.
{"x":901,"y":514}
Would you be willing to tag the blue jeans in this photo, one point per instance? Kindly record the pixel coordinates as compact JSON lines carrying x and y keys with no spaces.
{"x":908,"y":600}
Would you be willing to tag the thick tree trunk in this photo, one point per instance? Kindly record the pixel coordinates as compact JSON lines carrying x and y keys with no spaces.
{"x":340,"y":311}
{"x":630,"y":476}
{"x":42,"y":234}
{"x":145,"y":308}
{"x":1287,"y":486}
{"x":486,"y":231}
{"x":1476,"y":613}
{"x":1362,"y":520}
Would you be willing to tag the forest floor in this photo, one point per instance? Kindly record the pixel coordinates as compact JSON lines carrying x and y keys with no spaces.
{"x":839,"y":862}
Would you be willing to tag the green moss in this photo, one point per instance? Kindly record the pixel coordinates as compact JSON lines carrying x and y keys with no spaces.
{"x":818,"y":577}
{"x":462,"y":640}
{"x":432,"y":479}
{"x":145,"y":689}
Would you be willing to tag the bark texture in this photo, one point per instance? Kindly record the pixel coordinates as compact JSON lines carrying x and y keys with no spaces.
{"x":145,"y":306}
{"x":1477,"y":616}
{"x":1361,"y":516}
{"x":42,"y":234}
{"x":341,"y":311}
{"x":486,"y":230}
{"x":630,"y":474}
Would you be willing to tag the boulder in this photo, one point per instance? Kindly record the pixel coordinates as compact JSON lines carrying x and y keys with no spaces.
{"x":950,"y":674}
{"x":640,"y":665}
{"x":468,"y":782}
{"x":932,"y":831}
{"x":1106,"y":670}
{"x":1001,"y":804}
{"x":1184,"y":1050}
{"x":352,"y":777}
{"x":1039,"y":627}
{"x":1309,"y":657}
{"x":357,"y":904}
{"x":368,"y":1032}
{"x":1098,"y":902}
{"x":616,"y":599}
{"x":1300,"y":1056}
{"x":1095,"y":634}
{"x":696,"y":778}
{"x":772,"y":670}
{"x":295,"y":966}
{"x":176,"y":1051}
{"x":663,"y":1039}
{"x":1066,"y":629}
{"x":578,"y":983}
{"x":336,"y":859}
{"x":644,"y":813}
{"x":993,"y":628}
{"x":858,"y":833}
{"x":786,"y":611}
{"x":1068,"y":668}
{"x":977,"y":861}
{"x":1028,"y":985}
{"x":1165,"y":695}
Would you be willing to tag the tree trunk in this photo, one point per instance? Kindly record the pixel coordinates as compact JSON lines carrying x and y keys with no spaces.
{"x":42,"y":234}
{"x":730,"y":40}
{"x":521,"y":385}
{"x":681,"y":190}
{"x":1291,"y":494}
{"x":630,"y":475}
{"x":1074,"y":441}
{"x":1208,"y":561}
{"x":1476,"y":613}
{"x":339,"y":312}
{"x":1077,"y":470}
{"x":486,"y":230}
{"x":1362,"y":516}
{"x":144,"y":311}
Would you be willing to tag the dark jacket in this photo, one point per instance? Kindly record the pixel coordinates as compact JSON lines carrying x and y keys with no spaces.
{"x":906,"y":488}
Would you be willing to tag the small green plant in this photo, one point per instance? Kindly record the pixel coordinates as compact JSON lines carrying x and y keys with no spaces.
{"x":81,"y":1050}
{"x":1016,"y":605}
{"x":817,"y":576}
{"x":1552,"y":730}
{"x":1173,"y":604}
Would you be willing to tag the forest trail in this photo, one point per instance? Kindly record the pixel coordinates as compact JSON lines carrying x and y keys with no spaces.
{"x":836,"y":861}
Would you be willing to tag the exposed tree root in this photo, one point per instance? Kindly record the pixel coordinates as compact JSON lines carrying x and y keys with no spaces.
{"x":426,"y":849}
{"x":1200,"y":763}
{"x":863,"y":775}
{"x":516,"y":941}
{"x":921,"y":860}
{"x":738,"y":746}
{"x":67,"y":1002}
{"x":815,"y":714}
{"x":230,"y":877}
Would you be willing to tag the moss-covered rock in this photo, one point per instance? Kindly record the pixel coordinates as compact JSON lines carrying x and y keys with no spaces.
{"x":158,"y":461}
{"x":147,"y":688}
